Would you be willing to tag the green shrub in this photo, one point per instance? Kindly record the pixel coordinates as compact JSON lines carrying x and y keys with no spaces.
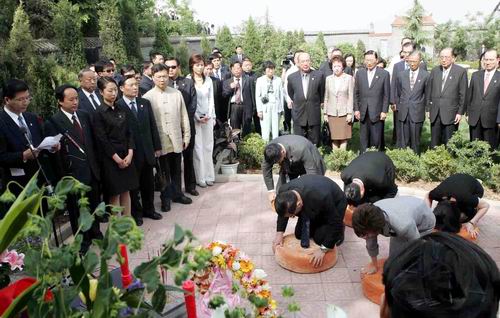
{"x":338,"y":159}
{"x":251,"y":151}
{"x":407,"y":164}
{"x":493,"y":182}
{"x":437,"y":164}
{"x":474,"y":158}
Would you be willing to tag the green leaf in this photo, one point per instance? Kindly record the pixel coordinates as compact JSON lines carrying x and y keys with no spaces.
{"x":147,"y":272}
{"x":133,"y":299}
{"x":20,"y":302}
{"x":287,"y":291}
{"x":64,"y":186}
{"x":293,"y":307}
{"x":80,"y":278}
{"x":7,"y":197}
{"x":178,"y":234}
{"x":101,"y":209}
{"x":159,"y":299}
{"x":90,"y":261}
{"x":85,"y":220}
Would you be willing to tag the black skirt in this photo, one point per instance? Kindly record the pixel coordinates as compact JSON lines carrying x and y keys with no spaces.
{"x":116,"y":180}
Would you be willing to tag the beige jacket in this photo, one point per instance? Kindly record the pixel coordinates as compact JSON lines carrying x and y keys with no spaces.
{"x":339,"y":100}
{"x":171,"y":118}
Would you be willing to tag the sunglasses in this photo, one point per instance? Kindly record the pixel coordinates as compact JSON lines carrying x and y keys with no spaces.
{"x":171,"y":66}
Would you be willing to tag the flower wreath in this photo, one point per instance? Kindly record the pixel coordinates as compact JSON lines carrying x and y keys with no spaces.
{"x":226,"y":258}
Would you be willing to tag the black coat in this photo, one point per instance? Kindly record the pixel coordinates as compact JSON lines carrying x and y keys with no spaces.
{"x":143,"y":129}
{"x":480,"y":105}
{"x":410,"y":102}
{"x":372,"y":100}
{"x":85,"y":104}
{"x":307,"y":111}
{"x":451,"y":100}
{"x":145,"y":85}
{"x":247,"y":93}
{"x":82,"y":166}
{"x":324,"y":203}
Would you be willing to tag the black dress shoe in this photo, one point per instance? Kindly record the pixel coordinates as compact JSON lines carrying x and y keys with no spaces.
{"x":193,"y":192}
{"x":139,"y":221}
{"x":153,"y":215}
{"x":183,"y":200}
{"x":165,"y":206}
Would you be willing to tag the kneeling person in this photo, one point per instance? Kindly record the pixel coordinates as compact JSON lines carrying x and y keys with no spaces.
{"x":459,"y":201}
{"x":403,"y":219}
{"x":369,"y":178}
{"x":320,"y":205}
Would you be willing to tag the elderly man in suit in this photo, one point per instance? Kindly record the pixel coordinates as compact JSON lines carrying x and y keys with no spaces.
{"x":146,"y":81}
{"x":306,"y":89}
{"x":372,"y":94}
{"x":319,"y":204}
{"x":446,"y":97}
{"x":173,"y":126}
{"x":239,"y":89}
{"x":483,"y":101}
{"x":142,"y":124}
{"x":89,"y":97}
{"x":78,"y":156}
{"x":295,"y":155}
{"x":409,"y":91}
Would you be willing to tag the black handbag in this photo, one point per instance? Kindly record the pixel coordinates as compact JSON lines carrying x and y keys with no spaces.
{"x":325,"y":134}
{"x":160,"y":178}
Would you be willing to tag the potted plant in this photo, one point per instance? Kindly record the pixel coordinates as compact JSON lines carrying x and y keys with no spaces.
{"x":226,"y":150}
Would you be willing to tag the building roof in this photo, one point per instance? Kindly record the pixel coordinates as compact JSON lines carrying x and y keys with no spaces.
{"x":380,"y":35}
{"x":44,"y":46}
{"x":400,"y":21}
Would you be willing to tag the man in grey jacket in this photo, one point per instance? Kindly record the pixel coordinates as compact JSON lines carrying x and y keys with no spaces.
{"x":296,"y":156}
{"x":403,"y":219}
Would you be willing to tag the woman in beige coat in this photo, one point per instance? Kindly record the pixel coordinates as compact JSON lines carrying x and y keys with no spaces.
{"x":339,"y":90}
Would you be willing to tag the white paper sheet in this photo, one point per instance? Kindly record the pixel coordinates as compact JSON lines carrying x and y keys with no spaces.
{"x":49,"y":142}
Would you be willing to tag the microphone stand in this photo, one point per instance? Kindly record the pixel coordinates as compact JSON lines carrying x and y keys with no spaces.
{"x":50,"y":188}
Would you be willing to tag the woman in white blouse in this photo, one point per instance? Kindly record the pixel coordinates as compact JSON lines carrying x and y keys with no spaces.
{"x":339,"y":90}
{"x":269,"y":100}
{"x":204,"y":122}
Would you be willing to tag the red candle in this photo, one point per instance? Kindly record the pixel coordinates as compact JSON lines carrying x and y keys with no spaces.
{"x":126,"y":276}
{"x":189,"y":300}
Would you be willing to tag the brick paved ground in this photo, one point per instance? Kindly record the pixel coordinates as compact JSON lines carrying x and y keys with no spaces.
{"x":237,"y":212}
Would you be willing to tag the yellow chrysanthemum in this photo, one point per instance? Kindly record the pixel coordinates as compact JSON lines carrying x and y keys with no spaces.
{"x":246,"y":266}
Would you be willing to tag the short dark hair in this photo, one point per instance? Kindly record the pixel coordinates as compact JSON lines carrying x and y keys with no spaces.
{"x":172,"y":58}
{"x":285,"y":203}
{"x":146,"y":65}
{"x":268,"y":64}
{"x":441,"y":275}
{"x":298,"y":52}
{"x":246,"y":59}
{"x":371,"y":52}
{"x":153,"y":54}
{"x":405,"y":38}
{"x":233,"y":63}
{"x":105,"y":80}
{"x":124,"y":79}
{"x":14,"y":86}
{"x":158,"y":68}
{"x":272,"y":153}
{"x":407,"y":44}
{"x":352,"y":192}
{"x":59,"y":91}
{"x":99,"y":66}
{"x":367,"y":218}
{"x":383,"y":61}
{"x":338,"y":59}
{"x":127,"y":68}
{"x":213,"y":57}
{"x":447,"y":216}
{"x":238,"y":46}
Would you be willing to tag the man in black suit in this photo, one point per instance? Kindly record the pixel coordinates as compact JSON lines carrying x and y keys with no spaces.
{"x":306,"y":89}
{"x":247,"y":67}
{"x":88,"y":97}
{"x":483,"y":101}
{"x":238,"y":56}
{"x":320,"y":206}
{"x":369,"y":178}
{"x":78,"y":157}
{"x":446,"y":98}
{"x":372,"y":94}
{"x":220,"y":106}
{"x":146,"y":81}
{"x":186,"y":87}
{"x":239,"y":91}
{"x":221,"y":72}
{"x":295,"y":155}
{"x":409,"y":89}
{"x":147,"y":148}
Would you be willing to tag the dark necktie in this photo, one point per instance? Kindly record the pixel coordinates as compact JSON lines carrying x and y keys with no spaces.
{"x":133,"y":107}
{"x":237,"y":98}
{"x":78,"y":128}
{"x":94,"y":102}
{"x":23,"y":124}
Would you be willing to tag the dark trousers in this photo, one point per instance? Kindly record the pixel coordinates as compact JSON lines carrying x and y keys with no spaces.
{"x":371,"y":134}
{"x":396,"y":130}
{"x":256,"y":123}
{"x":319,"y":232}
{"x":171,"y":166}
{"x":287,"y":118}
{"x":240,"y":120}
{"x":145,"y":192}
{"x":410,"y":133}
{"x":440,"y":133}
{"x":187,"y":155}
{"x":487,"y":134}
{"x":310,"y":132}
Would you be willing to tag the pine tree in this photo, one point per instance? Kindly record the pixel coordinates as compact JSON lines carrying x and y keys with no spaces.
{"x":251,"y":42}
{"x":130,"y":30}
{"x":442,"y":36}
{"x":360,"y":51}
{"x":6,"y":19}
{"x":224,"y":41}
{"x":161,"y":43}
{"x":182,"y":53}
{"x":20,"y":48}
{"x":67,"y":26}
{"x":110,"y":31}
{"x":414,"y":25}
{"x":206,"y":49}
{"x":460,"y":41}
{"x":320,"y":43}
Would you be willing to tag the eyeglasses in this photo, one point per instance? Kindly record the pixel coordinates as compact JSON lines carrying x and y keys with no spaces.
{"x":23,"y":99}
{"x":160,"y":76}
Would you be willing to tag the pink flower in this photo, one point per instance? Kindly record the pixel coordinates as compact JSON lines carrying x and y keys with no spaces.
{"x":15,"y":260}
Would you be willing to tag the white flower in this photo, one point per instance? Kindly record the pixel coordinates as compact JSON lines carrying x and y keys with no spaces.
{"x":259,"y":273}
{"x":236,"y":266}
{"x":216,"y":250}
{"x":266,"y":286}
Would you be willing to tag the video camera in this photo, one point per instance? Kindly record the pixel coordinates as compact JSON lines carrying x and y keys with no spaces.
{"x":287,"y":60}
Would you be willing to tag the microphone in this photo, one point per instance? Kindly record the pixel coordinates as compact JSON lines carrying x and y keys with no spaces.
{"x":24,"y":131}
